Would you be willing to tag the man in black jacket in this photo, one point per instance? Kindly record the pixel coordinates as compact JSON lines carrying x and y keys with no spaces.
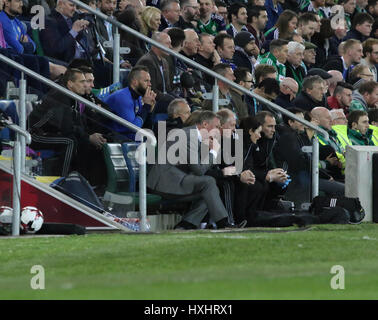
{"x":264,"y":164}
{"x":58,"y":124}
{"x":311,"y":96}
{"x":246,"y":50}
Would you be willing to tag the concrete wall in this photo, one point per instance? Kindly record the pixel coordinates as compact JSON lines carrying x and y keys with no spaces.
{"x":359,"y":176}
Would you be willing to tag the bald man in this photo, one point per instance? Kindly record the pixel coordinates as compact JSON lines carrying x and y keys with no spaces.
{"x":337,"y":76}
{"x":288,"y":92}
{"x":158,"y":66}
{"x":338,"y":117}
{"x":191,"y":44}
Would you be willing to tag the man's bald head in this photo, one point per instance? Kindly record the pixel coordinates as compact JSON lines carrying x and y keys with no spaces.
{"x":337,"y":76}
{"x":323,"y":116}
{"x":191,"y":42}
{"x":289,"y":86}
{"x":338,"y":117}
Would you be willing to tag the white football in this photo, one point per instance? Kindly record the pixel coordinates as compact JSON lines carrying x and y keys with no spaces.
{"x":6,"y":214}
{"x":31,"y":219}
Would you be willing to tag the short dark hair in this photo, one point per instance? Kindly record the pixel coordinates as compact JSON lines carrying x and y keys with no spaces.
{"x":70,"y":75}
{"x":219,"y":39}
{"x":308,"y":82}
{"x":240,"y":74}
{"x":294,"y":111}
{"x":354,"y":116}
{"x":250,"y":123}
{"x":340,"y":86}
{"x":221,"y":68}
{"x":277,"y":43}
{"x":361,"y":18}
{"x":368,"y":87}
{"x":263,"y":69}
{"x":373,"y":115}
{"x":164,"y":4}
{"x":307,"y":17}
{"x":220,"y":3}
{"x":254,"y":11}
{"x":80,"y":63}
{"x":135,"y":72}
{"x":177,"y":36}
{"x":234,"y":9}
{"x":261,"y":116}
{"x":270,"y":86}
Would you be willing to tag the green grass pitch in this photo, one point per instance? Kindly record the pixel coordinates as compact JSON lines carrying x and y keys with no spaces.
{"x":253,"y":264}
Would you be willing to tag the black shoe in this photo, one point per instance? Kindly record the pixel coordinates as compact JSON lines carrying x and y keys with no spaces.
{"x":185,"y":225}
{"x":222,"y":224}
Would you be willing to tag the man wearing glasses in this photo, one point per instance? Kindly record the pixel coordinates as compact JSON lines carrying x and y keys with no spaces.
{"x":189,"y":14}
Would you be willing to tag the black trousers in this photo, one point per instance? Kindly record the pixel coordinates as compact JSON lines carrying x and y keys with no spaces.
{"x":248,"y":199}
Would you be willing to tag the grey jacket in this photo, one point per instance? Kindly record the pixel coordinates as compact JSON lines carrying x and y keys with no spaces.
{"x":168,"y":177}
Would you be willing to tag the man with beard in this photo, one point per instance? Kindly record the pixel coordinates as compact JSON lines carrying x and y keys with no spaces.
{"x":209,"y":22}
{"x":257,"y":19}
{"x":189,"y":14}
{"x":237,"y":15}
{"x":134,"y":102}
{"x":351,"y":55}
{"x":246,"y":50}
{"x":14,"y":31}
{"x":370,"y":50}
{"x":307,"y":24}
{"x":372,"y":8}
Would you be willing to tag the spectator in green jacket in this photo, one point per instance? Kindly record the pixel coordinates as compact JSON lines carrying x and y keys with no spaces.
{"x":358,"y":129}
{"x":373,"y":120}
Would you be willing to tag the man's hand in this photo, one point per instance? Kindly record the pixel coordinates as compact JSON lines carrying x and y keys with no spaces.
{"x":126,"y":65}
{"x":216,"y":59}
{"x":149,"y":98}
{"x":97,"y":140}
{"x":276,"y":175}
{"x":79,"y":25}
{"x":334,"y":161}
{"x":247,"y":177}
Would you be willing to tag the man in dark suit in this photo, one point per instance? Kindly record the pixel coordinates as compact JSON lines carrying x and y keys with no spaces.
{"x":62,"y":38}
{"x":187,"y":175}
{"x":157,"y":65}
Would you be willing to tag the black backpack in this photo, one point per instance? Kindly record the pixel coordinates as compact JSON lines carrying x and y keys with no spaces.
{"x":78,"y":188}
{"x":325,"y":204}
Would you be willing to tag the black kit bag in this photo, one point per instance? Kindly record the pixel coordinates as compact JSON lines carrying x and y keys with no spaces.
{"x":322,"y":204}
{"x":78,"y":188}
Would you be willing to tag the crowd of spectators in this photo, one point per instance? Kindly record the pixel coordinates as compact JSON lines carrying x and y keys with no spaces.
{"x":295,"y":53}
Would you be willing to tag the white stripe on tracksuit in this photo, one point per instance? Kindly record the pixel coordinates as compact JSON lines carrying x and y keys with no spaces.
{"x":70,"y":144}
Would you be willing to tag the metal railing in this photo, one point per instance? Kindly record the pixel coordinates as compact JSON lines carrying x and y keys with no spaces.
{"x":23,"y":137}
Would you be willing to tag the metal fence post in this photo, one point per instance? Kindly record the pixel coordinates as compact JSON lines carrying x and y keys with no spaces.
{"x":116,"y":46}
{"x":16,"y":186}
{"x":22,"y":105}
{"x":143,"y":186}
{"x":315,"y":167}
{"x":215,"y":96}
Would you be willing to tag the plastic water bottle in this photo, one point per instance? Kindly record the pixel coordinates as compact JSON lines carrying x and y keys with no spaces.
{"x":38,"y":168}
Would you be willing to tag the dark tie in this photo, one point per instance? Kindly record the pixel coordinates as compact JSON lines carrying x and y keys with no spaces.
{"x":69,"y":23}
